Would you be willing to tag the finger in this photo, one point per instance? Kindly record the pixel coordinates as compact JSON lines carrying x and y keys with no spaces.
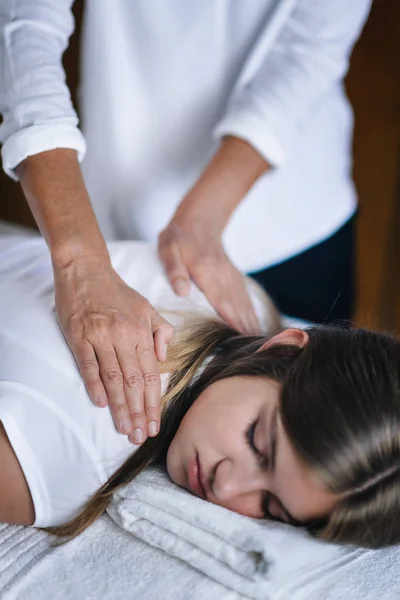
{"x":175,"y":268}
{"x":112,"y":378}
{"x":85,"y":357}
{"x":163,"y":334}
{"x":134,"y":389}
{"x":244,"y":307}
{"x":152,"y":384}
{"x":228,"y":295}
{"x":219,"y":297}
{"x":240,"y":313}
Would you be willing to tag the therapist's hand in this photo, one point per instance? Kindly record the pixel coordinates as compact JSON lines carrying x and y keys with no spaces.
{"x":114,"y":333}
{"x":117,"y":337}
{"x":194,"y":251}
{"x":190,"y":247}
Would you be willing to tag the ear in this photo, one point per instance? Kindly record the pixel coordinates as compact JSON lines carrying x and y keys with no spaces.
{"x":289,"y":337}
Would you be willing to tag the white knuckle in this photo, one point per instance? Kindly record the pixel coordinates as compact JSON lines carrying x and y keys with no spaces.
{"x":89,"y":365}
{"x":153,"y":411}
{"x":113,"y":376}
{"x":122,"y":329}
{"x":151,"y":379}
{"x":138,"y":415}
{"x":134,"y":381}
{"x":98,"y":327}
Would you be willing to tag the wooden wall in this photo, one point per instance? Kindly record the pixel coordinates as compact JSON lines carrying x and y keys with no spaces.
{"x":374,"y":88}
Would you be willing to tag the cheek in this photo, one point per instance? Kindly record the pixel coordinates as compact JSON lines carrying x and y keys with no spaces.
{"x":205,"y":426}
{"x":247,"y":505}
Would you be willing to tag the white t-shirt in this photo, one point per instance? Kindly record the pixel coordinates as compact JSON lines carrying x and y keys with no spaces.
{"x":163,"y":81}
{"x":67,"y":447}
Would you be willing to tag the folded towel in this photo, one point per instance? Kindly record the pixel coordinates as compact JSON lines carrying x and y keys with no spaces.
{"x":109,"y":563}
{"x":245,"y":555}
{"x":105,"y":562}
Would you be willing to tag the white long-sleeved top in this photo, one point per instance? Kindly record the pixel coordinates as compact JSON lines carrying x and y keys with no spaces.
{"x":67,"y":447}
{"x":163,"y":81}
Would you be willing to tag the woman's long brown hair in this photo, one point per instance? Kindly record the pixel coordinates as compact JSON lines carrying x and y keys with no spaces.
{"x":340,"y":407}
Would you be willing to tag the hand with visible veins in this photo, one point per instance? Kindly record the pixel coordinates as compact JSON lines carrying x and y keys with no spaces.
{"x":115,"y":334}
{"x":117,"y":337}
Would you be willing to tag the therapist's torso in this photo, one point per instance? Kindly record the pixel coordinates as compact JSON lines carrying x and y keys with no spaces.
{"x":156,"y":79}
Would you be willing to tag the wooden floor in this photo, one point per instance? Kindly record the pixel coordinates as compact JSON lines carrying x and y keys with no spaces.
{"x":374,"y":88}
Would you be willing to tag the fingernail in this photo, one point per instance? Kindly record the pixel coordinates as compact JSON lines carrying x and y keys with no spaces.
{"x":138,"y":436}
{"x":101,"y":400}
{"x":125,"y":426}
{"x":180,"y":286}
{"x":165,"y":350}
{"x":152,"y":428}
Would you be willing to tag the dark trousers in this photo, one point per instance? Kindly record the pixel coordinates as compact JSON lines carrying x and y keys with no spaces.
{"x":318,"y":284}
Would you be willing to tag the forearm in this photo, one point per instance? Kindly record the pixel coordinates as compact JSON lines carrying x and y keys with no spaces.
{"x":56,"y":193}
{"x":230,"y":174}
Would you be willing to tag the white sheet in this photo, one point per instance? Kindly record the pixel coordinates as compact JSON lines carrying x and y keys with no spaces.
{"x":107,"y":563}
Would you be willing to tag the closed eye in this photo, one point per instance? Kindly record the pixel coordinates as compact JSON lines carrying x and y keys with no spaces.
{"x":262,"y":460}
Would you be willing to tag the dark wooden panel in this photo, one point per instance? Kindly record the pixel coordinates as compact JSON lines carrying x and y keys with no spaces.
{"x":374,"y":88}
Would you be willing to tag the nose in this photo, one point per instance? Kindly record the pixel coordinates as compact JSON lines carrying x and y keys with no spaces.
{"x":231,"y":481}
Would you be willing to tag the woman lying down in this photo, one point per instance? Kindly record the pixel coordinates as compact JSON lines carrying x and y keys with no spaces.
{"x":301,"y":426}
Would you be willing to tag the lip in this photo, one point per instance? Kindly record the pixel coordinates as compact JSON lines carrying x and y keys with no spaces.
{"x":194,"y":477}
{"x":203,"y":480}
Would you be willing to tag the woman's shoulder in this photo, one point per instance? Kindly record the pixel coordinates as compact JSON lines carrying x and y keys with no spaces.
{"x":138,"y":264}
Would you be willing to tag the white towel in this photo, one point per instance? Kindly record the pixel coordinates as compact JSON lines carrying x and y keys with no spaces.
{"x":245,"y":555}
{"x":108,"y":563}
{"x":104,"y":563}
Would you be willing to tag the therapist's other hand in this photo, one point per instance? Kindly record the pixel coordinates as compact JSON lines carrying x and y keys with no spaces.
{"x":191,"y":248}
{"x":193,"y":251}
{"x":116,"y":337}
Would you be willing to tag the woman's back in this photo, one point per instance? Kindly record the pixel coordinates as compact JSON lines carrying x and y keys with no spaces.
{"x":67,"y":447}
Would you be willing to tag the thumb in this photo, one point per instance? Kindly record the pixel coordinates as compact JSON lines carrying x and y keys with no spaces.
{"x":163,"y":334}
{"x":175,"y":268}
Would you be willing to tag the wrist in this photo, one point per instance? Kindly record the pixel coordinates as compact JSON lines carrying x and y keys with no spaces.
{"x":77,"y":250}
{"x":54,"y":188}
{"x":223,"y":184}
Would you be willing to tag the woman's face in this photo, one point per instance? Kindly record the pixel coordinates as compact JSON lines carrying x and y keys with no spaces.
{"x":231,"y":448}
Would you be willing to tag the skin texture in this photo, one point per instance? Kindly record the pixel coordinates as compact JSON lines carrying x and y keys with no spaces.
{"x":216,"y":429}
{"x":16,"y":506}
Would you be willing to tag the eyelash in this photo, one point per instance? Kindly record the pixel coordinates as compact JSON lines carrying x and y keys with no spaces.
{"x":250,"y":442}
{"x":249,"y":437}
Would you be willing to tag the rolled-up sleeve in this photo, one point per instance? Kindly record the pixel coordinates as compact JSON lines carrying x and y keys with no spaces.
{"x":35,"y":102}
{"x":272,"y":101}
